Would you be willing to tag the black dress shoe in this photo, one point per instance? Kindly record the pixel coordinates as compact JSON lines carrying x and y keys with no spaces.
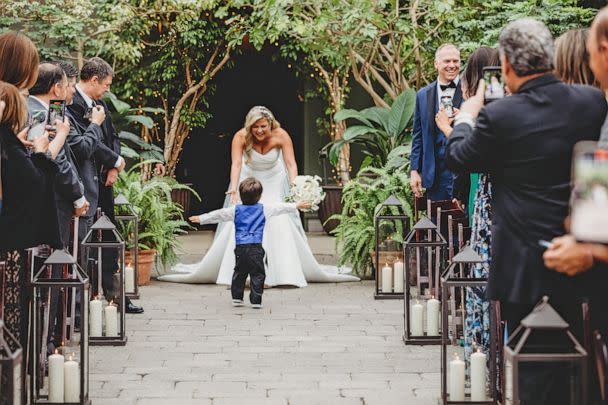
{"x":134,"y":309}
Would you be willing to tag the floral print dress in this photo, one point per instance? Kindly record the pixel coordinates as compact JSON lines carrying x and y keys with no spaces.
{"x":477,"y":323}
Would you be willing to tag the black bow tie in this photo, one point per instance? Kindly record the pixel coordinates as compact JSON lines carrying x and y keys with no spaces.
{"x":450,"y":85}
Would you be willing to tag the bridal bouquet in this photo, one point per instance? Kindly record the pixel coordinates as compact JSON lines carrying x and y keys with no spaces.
{"x":307,"y":188}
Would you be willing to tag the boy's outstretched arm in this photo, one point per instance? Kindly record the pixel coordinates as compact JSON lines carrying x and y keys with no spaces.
{"x":272,"y":210}
{"x":214,"y":217}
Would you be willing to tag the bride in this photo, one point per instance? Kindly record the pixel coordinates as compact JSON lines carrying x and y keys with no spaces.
{"x":262,"y":149}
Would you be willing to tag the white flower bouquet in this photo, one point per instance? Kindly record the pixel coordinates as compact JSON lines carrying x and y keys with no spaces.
{"x":307,"y":188}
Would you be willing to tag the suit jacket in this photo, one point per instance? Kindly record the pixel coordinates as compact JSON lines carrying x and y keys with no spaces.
{"x":67,"y":185}
{"x":525,"y":142}
{"x":83,"y":145}
{"x":422,"y":157}
{"x":28,"y":216}
{"x":105,"y":154}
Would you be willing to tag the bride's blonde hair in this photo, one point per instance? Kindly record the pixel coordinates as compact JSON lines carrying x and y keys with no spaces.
{"x":255,"y":114}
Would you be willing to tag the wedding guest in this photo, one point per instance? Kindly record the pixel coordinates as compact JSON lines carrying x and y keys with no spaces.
{"x":249,"y":222}
{"x":528,"y":159}
{"x":95,"y":80}
{"x":566,"y":255}
{"x":28,"y":209}
{"x":428,"y":169}
{"x":478,"y":194}
{"x":52,"y":84}
{"x":572,"y":58}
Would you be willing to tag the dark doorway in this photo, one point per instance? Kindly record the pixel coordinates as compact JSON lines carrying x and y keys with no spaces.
{"x":254,"y":79}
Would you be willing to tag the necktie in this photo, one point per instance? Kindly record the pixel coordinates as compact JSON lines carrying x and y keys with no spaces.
{"x":450,"y":85}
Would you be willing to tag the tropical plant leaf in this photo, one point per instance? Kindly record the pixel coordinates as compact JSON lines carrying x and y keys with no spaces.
{"x":141,"y":119}
{"x":354,"y":114}
{"x":401,"y":112}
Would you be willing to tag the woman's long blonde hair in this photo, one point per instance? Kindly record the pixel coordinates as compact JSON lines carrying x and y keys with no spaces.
{"x":572,"y":59}
{"x":254,"y":115}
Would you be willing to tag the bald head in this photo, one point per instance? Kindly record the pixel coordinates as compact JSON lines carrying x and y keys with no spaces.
{"x":597,"y":46}
{"x":49,"y":76}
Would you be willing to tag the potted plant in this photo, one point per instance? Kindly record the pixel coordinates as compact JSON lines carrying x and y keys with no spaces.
{"x":355,"y":233}
{"x":160,"y":219}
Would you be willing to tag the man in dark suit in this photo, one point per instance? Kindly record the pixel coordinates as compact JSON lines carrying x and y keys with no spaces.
{"x":525,"y":142}
{"x":428,"y":169}
{"x":69,"y":191}
{"x":101,"y":152}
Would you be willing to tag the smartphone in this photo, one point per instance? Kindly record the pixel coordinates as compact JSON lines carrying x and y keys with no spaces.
{"x":88,"y":113}
{"x":56,"y":111}
{"x":446,"y":103}
{"x":495,"y":85}
{"x":37,"y":124}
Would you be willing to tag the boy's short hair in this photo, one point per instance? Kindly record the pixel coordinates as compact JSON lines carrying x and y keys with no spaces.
{"x":250,"y":191}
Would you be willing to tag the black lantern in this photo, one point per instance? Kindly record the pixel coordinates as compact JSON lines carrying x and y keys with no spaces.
{"x":543,"y":341}
{"x":391,"y":224}
{"x":424,"y":253}
{"x":63,"y":376}
{"x":129,"y":222}
{"x":11,"y":358}
{"x":467,"y":376}
{"x":107,"y":310}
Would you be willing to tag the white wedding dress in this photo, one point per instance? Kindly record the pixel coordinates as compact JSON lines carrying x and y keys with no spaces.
{"x":289,"y":258}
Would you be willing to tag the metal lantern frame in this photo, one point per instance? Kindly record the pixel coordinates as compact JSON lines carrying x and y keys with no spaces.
{"x":11,"y":368}
{"x":435,"y":246}
{"x":122,"y":201}
{"x":455,"y":277}
{"x":78,"y":282}
{"x":391,"y":201}
{"x":542,"y":318}
{"x":95,"y":239}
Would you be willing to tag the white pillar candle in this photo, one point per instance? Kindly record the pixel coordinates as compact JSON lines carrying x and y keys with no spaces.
{"x":456,"y":379}
{"x":95,"y":322}
{"x":111,"y":320}
{"x":398,"y":276}
{"x":416,"y":320}
{"x":432,"y":317}
{"x":56,"y":377}
{"x":387,"y":279}
{"x":478,"y":376}
{"x":129,"y":279}
{"x":71,"y":378}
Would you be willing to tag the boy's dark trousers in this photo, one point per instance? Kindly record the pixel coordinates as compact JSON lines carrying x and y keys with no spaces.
{"x":249,"y":262}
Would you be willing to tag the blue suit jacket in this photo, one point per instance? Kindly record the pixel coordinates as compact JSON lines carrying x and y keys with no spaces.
{"x":422,"y":157}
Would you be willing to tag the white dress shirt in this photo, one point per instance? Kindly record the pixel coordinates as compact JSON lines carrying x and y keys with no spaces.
{"x":227,"y":214}
{"x":447,"y":92}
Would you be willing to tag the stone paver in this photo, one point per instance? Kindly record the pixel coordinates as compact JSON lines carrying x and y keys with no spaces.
{"x":323,"y":344}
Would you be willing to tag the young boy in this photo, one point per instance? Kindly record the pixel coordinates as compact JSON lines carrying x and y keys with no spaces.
{"x":249,"y":221}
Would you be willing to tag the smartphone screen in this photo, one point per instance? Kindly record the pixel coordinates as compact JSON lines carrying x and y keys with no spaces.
{"x":37,"y":124}
{"x":56,"y":111}
{"x":446,"y":102}
{"x":495,"y":85}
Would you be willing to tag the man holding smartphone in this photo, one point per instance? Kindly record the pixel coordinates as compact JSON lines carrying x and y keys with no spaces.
{"x":525,"y":143}
{"x":50,"y":86}
{"x":428,"y":169}
{"x":95,"y":80}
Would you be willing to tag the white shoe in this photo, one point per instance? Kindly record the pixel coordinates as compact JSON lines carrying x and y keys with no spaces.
{"x":256,"y":306}
{"x":237,"y":303}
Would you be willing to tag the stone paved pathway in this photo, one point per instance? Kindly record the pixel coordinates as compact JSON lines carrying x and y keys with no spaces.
{"x":324,"y":344}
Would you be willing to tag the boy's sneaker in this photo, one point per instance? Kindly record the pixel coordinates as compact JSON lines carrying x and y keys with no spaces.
{"x":256,"y":306}
{"x":237,"y":303}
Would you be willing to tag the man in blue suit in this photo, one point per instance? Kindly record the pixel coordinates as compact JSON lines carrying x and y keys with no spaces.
{"x":428,"y":169}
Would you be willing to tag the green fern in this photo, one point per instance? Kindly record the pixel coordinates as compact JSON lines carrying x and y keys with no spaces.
{"x":361,"y":200}
{"x":160,"y":219}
